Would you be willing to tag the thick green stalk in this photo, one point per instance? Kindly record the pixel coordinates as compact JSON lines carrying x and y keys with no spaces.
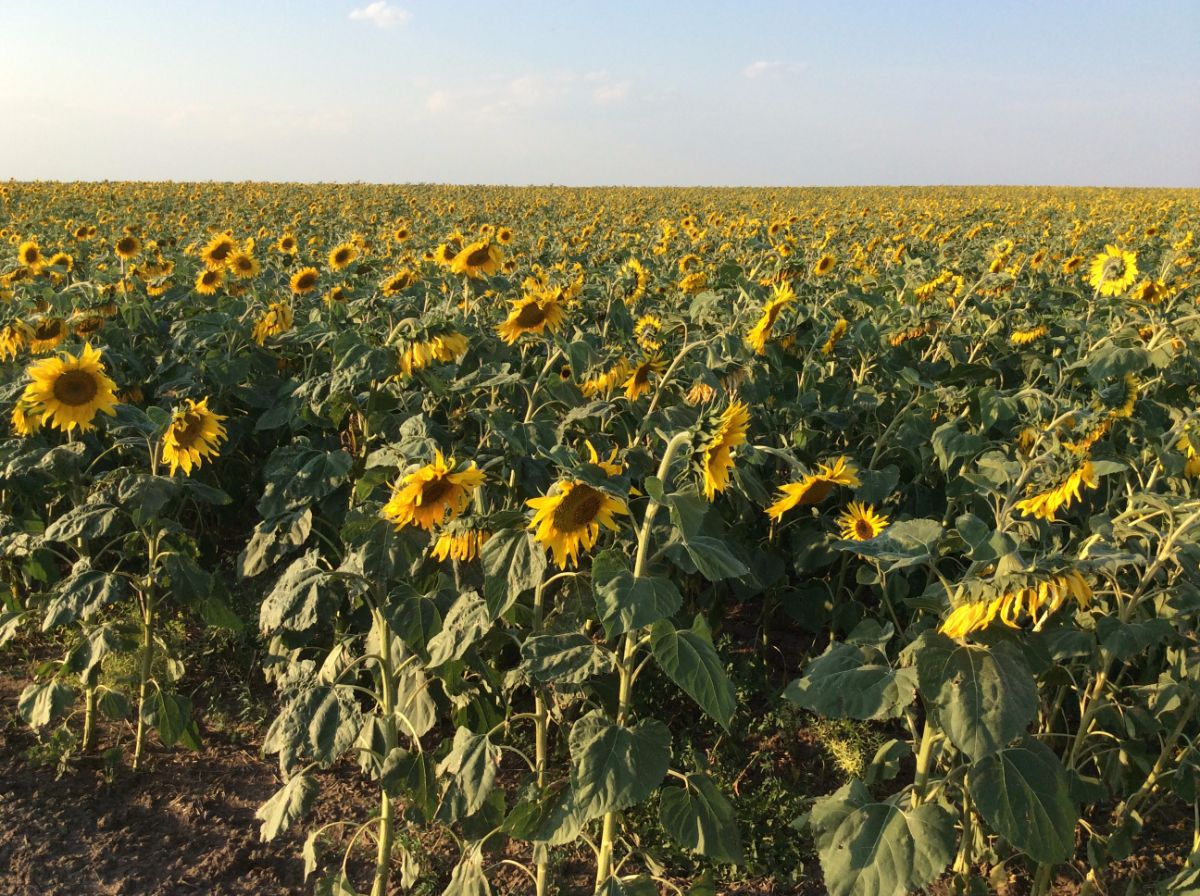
{"x":608,"y":831}
{"x":924,"y":762}
{"x":541,"y":723}
{"x":387,"y":703}
{"x":144,"y":674}
{"x":89,"y":718}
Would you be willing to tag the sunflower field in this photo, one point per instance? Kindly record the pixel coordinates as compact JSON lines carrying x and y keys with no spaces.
{"x":562,"y":517}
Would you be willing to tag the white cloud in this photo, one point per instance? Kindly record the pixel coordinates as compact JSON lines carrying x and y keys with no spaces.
{"x":381,"y":14}
{"x":767,"y":67}
{"x":612,"y":92}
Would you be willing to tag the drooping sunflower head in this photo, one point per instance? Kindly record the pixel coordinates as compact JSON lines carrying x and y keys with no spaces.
{"x":459,"y":541}
{"x":781,"y":297}
{"x":275,"y":320}
{"x":71,"y":389}
{"x":399,"y":281}
{"x":860,"y":522}
{"x":835,"y":336}
{"x":26,"y":418}
{"x":717,"y":443}
{"x":570,"y":517}
{"x":815,"y":487}
{"x":192,"y":437}
{"x":478,"y":259}
{"x":432,"y":494}
{"x":532,"y":314}
{"x":14,"y":336}
{"x":47,"y":334}
{"x":638,"y":382}
{"x":1113,"y":271}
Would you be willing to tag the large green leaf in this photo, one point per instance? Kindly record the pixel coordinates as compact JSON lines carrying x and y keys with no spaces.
{"x":513,"y":562}
{"x":689,"y":659}
{"x":289,"y":804}
{"x":984,"y":697}
{"x":1023,"y":792}
{"x":616,"y":766}
{"x":700,"y":818}
{"x":626,"y":602}
{"x":81,"y":594}
{"x":853,"y":681}
{"x":569,"y":658}
{"x":869,"y":848}
{"x":466,"y":621}
{"x":473,"y":762}
{"x":41,"y":704}
{"x":273,"y":539}
{"x":298,"y":476}
{"x":85,"y":521}
{"x":300,"y":598}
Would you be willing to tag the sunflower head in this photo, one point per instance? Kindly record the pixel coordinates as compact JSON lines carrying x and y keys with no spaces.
{"x":71,"y":389}
{"x":1113,"y":271}
{"x":570,"y":518}
{"x":192,"y":437}
{"x":718,"y":437}
{"x":304,"y":281}
{"x":432,"y":494}
{"x":478,"y":259}
{"x":860,"y":522}
{"x":128,"y":247}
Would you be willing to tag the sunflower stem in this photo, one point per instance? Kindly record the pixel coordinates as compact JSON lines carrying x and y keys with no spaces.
{"x":604,"y":864}
{"x":383,"y":855}
{"x":147,"y":651}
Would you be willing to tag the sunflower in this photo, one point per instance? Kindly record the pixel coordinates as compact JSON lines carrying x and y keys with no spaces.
{"x":286,"y":245}
{"x":217,"y":251}
{"x":426,"y":496}
{"x":1113,"y":271}
{"x":61,"y":260}
{"x":860,"y":522}
{"x":1150,"y":291}
{"x":1045,"y":505}
{"x":30,"y":255}
{"x":445,"y":254}
{"x":70,"y":389}
{"x":128,"y":248}
{"x":209,"y":281}
{"x":399,"y":281}
{"x":815,"y":487}
{"x":1192,"y":463}
{"x":336,"y":295}
{"x":782,"y":296}
{"x":693,"y":283}
{"x":460,"y":543}
{"x":646,"y":331}
{"x":1027,"y":336}
{"x":192,"y":436}
{"x":603,"y":383}
{"x":504,"y":236}
{"x":638,"y":382}
{"x":478,"y":259}
{"x":47,"y":334}
{"x":835,"y":336}
{"x":1072,"y":264}
{"x":824,"y":265}
{"x":570,"y":517}
{"x":716,"y":451}
{"x":275,"y":320}
{"x":635,"y":289}
{"x":14,"y":336}
{"x":304,"y":281}
{"x":417,"y":354}
{"x":1011,"y":606}
{"x":340,"y":257}
{"x":402,"y":233}
{"x":244,"y":265}
{"x":700,"y":392}
{"x":26,"y":418}
{"x":531,"y":314}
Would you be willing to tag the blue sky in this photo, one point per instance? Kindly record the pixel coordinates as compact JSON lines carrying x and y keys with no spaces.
{"x":769,"y":93}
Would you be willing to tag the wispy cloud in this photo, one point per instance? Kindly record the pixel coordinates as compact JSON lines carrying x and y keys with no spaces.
{"x":381,"y":14}
{"x":529,"y":92}
{"x":764,"y":67}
